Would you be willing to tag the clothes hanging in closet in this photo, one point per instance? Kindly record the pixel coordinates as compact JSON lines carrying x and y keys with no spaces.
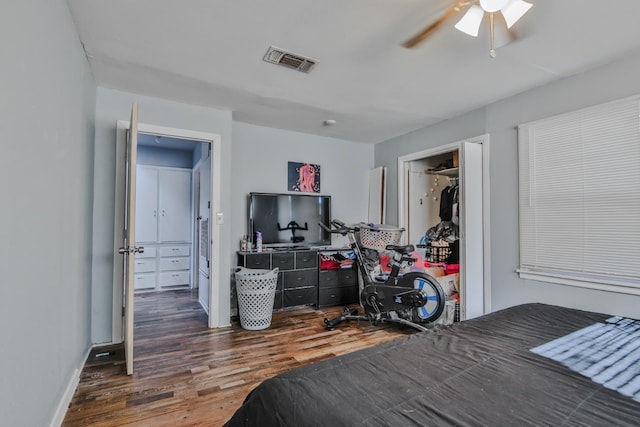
{"x":448,"y":198}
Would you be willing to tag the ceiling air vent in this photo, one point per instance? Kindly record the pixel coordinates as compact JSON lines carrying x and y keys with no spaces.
{"x":279,"y":56}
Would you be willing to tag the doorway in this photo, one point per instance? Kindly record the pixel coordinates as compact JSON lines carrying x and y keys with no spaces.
{"x":165,"y":223}
{"x":212,"y":160}
{"x":423,"y":179}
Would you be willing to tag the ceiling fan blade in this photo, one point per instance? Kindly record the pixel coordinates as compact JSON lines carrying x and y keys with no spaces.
{"x":450,"y":13}
{"x":470,"y":22}
{"x":514,"y":11}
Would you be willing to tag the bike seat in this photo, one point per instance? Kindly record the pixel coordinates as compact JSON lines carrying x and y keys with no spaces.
{"x":406,"y":249}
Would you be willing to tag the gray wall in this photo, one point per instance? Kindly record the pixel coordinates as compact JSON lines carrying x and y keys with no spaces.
{"x":500,"y":120}
{"x":113,"y":105}
{"x":46,"y":183}
{"x":260,"y":158}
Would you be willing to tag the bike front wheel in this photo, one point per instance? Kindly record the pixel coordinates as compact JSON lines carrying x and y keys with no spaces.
{"x":434,"y":306}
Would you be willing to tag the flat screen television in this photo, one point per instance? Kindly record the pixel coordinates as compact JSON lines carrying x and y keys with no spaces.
{"x":289,"y":219}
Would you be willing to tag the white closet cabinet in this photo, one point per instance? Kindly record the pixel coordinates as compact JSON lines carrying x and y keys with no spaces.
{"x":146,"y":204}
{"x":163,"y":227}
{"x":174,"y":207}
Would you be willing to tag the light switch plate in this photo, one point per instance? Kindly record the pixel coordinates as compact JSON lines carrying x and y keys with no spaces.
{"x":219,"y":218}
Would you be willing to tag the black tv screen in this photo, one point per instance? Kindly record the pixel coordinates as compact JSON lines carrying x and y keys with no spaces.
{"x":282,"y":219}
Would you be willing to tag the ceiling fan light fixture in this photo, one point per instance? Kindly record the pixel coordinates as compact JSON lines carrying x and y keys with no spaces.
{"x":470,"y":22}
{"x":492,"y":6}
{"x":514,"y":10}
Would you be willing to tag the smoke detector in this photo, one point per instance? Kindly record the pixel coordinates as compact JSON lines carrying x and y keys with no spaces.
{"x":278,"y":56}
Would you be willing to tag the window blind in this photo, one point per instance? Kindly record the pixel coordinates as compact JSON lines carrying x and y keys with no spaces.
{"x":580,"y":196}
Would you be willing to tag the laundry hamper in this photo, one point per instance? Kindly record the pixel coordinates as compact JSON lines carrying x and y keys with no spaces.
{"x":256,"y":289}
{"x":379,"y":236}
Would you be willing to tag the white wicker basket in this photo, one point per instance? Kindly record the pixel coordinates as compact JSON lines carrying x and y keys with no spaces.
{"x":256,"y":289}
{"x":378,"y":236}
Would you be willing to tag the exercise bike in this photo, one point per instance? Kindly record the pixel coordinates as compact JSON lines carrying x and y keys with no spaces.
{"x":413,"y":299}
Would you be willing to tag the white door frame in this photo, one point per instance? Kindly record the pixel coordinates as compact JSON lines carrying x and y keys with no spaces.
{"x":486,"y":231}
{"x":215,"y":192}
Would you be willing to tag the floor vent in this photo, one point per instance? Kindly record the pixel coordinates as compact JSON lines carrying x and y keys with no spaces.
{"x":290,"y":60}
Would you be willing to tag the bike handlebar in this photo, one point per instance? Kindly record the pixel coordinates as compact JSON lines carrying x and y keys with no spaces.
{"x":339,"y":227}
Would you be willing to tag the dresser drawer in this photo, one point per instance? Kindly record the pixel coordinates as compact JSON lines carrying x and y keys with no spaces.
{"x":169,"y":251}
{"x":300,"y":278}
{"x":149,"y":252}
{"x":174,"y":263}
{"x":284,"y":260}
{"x":144,"y":281}
{"x":145,"y":265}
{"x":348,"y":276}
{"x":174,"y":278}
{"x":332,"y":278}
{"x":258,"y":260}
{"x":304,"y":296}
{"x":338,"y":296}
{"x":306,"y":259}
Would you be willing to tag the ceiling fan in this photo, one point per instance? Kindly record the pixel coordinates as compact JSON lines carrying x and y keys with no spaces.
{"x":511,"y":10}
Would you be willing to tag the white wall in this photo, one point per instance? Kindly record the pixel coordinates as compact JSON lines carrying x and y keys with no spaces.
{"x":260,"y":158}
{"x":500,"y":120}
{"x":115,"y":105}
{"x":47,"y":106}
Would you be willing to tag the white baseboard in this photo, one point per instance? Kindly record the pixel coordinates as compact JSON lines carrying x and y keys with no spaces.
{"x":65,"y":400}
{"x":204,"y":306}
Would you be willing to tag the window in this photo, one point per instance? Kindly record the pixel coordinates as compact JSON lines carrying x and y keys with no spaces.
{"x":580,"y":198}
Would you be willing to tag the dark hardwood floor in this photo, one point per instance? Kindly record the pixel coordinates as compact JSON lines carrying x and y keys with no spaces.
{"x":187,"y":374}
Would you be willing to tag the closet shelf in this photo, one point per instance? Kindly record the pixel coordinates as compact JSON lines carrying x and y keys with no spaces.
{"x":451,"y":172}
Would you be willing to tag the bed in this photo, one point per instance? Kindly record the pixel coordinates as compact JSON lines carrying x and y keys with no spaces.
{"x":532,"y":364}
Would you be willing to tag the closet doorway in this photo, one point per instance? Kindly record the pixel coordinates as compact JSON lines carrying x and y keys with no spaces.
{"x":166,"y":197}
{"x":173,"y":260}
{"x":459,"y":172}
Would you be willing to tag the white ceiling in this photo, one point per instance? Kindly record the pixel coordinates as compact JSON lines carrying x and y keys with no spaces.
{"x":209,"y":52}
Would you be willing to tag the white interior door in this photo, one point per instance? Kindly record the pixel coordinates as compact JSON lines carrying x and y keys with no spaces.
{"x":147,"y":204}
{"x":418,"y":206}
{"x":204,"y":257}
{"x":471,"y":231}
{"x":377,"y":195}
{"x":129,"y":249}
{"x":174,"y":205}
